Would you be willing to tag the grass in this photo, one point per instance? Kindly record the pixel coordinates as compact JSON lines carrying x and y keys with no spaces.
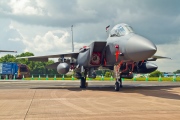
{"x":110,"y":79}
{"x":157,"y":79}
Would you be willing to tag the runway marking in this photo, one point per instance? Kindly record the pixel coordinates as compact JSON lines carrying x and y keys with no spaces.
{"x":93,"y":102}
{"x":30,"y":105}
{"x":67,"y":103}
{"x":52,"y":101}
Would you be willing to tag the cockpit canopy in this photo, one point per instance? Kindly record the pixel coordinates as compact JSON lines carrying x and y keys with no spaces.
{"x":121,"y":30}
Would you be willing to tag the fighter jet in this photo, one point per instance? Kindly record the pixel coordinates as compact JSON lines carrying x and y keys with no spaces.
{"x":124,"y":52}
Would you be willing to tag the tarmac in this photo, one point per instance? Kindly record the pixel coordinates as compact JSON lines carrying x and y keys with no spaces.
{"x":64,"y":100}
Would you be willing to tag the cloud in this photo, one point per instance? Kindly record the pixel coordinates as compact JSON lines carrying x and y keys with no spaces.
{"x":10,"y":38}
{"x":55,"y":42}
{"x":48,"y":42}
{"x":23,"y":7}
{"x":172,"y":51}
{"x":43,"y":27}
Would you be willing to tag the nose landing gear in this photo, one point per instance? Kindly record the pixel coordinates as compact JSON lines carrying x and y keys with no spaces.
{"x":118,"y":84}
{"x":116,"y":87}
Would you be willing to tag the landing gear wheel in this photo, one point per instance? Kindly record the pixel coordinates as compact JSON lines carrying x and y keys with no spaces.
{"x":120,"y":81}
{"x":83,"y":82}
{"x":116,"y":87}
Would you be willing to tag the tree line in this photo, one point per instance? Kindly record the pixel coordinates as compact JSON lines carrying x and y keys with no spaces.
{"x":37,"y":67}
{"x":34,"y":66}
{"x":40,"y":67}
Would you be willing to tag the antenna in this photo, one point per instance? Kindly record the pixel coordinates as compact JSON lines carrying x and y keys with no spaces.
{"x":107,"y":30}
{"x":72,"y":39}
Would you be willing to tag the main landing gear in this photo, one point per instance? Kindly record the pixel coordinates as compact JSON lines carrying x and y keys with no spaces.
{"x":118,"y":84}
{"x":82,"y":79}
{"x":83,"y":82}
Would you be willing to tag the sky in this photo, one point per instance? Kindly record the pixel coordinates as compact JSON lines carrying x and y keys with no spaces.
{"x":44,"y":26}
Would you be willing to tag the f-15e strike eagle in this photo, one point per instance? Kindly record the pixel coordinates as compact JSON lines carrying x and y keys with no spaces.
{"x":124,"y":52}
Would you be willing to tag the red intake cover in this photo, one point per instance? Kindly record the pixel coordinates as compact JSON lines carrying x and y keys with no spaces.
{"x":95,"y":58}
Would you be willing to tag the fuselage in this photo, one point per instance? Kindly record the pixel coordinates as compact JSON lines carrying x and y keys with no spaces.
{"x":123,"y":48}
{"x":129,"y":46}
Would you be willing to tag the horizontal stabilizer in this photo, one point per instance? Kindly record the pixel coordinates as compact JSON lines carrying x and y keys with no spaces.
{"x":155,"y":57}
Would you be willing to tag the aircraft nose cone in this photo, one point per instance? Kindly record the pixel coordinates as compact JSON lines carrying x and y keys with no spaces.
{"x":139,"y":48}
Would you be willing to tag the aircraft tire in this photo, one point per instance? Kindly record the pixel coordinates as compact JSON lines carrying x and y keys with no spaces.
{"x":83,"y":83}
{"x":116,"y":86}
{"x":120,"y":85}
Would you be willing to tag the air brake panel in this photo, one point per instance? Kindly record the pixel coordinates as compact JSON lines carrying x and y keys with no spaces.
{"x":91,"y":55}
{"x":96,"y":53}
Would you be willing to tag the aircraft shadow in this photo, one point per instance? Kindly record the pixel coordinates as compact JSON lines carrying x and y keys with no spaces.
{"x":155,"y":91}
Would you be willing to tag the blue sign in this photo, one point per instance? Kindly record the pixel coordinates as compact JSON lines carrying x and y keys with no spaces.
{"x":7,"y":68}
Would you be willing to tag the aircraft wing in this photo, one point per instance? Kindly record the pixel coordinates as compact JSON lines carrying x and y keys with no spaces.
{"x":7,"y":51}
{"x":155,"y":57}
{"x":45,"y":57}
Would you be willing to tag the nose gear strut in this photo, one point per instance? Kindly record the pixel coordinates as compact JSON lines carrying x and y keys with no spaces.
{"x":118,"y":83}
{"x":118,"y":71}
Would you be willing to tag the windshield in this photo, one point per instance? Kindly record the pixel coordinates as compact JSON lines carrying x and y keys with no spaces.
{"x":120,"y":30}
{"x":129,"y":28}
